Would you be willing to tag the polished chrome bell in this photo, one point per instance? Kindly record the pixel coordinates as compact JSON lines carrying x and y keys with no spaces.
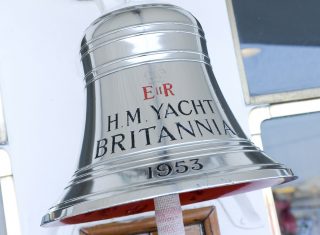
{"x":156,"y":121}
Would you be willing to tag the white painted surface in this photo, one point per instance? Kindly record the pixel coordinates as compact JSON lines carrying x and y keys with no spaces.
{"x":44,"y":99}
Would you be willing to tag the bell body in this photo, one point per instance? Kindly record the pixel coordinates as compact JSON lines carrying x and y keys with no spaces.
{"x":156,"y":121}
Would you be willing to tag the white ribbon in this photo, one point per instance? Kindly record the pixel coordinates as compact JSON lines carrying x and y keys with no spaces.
{"x":169,"y":217}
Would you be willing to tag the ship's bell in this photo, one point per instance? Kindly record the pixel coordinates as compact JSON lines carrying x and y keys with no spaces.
{"x":156,"y":121}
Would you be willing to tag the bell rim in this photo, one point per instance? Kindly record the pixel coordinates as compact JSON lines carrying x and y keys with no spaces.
{"x":280,"y":174}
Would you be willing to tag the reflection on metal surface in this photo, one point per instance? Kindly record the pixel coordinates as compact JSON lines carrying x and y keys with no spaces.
{"x":156,"y":123}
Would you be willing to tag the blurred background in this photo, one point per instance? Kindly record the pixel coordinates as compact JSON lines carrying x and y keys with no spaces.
{"x":265,"y":58}
{"x":279,"y":44}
